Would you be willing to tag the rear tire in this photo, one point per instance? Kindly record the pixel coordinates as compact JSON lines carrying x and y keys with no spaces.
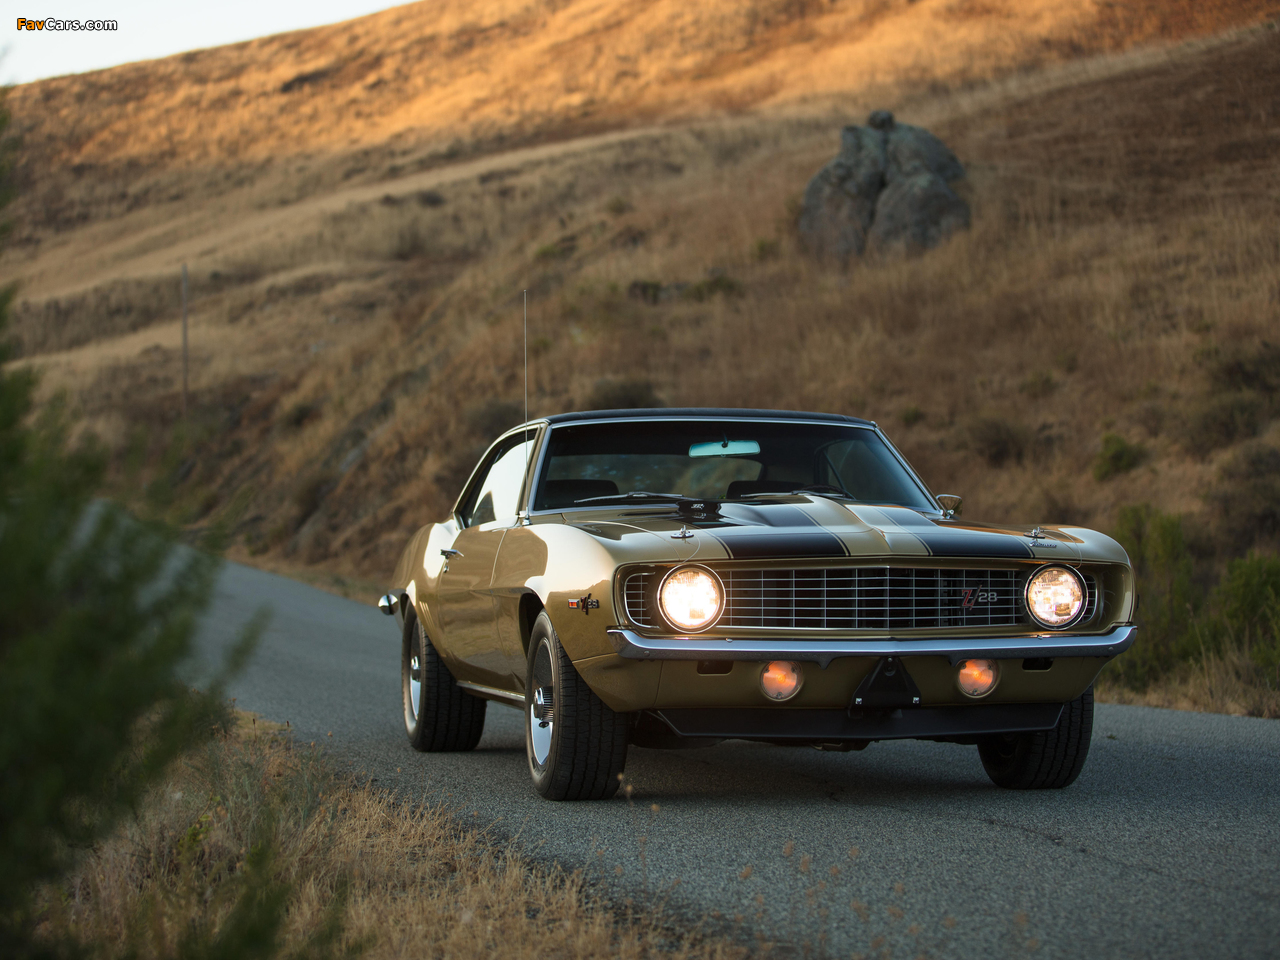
{"x":1047,"y":759}
{"x":577,"y":746}
{"x":439,"y":716}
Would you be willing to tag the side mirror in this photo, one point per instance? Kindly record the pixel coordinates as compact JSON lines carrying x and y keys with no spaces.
{"x":389,"y":604}
{"x":950,"y":504}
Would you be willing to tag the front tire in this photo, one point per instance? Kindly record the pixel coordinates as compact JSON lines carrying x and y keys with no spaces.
{"x":577,"y":746}
{"x":439,"y":716}
{"x":1044,"y":760}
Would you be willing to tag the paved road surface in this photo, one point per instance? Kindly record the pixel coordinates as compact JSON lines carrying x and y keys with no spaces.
{"x":1167,"y":846}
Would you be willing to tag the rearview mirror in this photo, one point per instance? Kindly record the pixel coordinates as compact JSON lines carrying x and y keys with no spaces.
{"x":724,"y":448}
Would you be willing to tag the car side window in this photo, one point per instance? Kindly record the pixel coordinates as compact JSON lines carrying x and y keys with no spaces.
{"x":496,"y":494}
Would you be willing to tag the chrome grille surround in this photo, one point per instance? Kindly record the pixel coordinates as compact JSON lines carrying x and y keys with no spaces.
{"x":858,"y":598}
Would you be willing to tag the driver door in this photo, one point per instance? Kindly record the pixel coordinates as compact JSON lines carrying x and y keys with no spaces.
{"x":467,"y":613}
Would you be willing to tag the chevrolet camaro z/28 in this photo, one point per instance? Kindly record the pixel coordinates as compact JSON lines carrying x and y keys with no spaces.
{"x":671,"y":578}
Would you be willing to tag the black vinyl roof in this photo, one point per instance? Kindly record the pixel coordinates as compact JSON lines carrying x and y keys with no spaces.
{"x":719,"y":413}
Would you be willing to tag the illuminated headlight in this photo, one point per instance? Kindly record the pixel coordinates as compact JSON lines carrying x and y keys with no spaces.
{"x":1055,"y":596}
{"x":691,"y":598}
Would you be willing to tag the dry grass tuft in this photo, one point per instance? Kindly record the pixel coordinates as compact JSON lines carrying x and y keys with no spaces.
{"x":401,"y":879}
{"x":1227,"y":680}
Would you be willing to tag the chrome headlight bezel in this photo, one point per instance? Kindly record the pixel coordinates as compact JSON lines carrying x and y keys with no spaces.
{"x":720,"y":594}
{"x":1080,"y":582}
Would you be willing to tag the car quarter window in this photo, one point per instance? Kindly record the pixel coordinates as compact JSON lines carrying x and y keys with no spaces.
{"x":495,"y":496}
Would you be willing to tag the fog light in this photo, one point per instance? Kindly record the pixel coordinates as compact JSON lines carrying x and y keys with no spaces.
{"x":781,"y":680}
{"x":977,"y":678}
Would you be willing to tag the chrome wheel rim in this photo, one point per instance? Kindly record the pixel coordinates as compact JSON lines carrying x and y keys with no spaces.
{"x":415,"y":673}
{"x":540,"y":709}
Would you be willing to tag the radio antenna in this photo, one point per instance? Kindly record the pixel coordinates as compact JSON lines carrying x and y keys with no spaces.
{"x":526,"y":356}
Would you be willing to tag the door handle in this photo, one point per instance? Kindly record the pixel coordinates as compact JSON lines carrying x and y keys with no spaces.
{"x":448,"y":552}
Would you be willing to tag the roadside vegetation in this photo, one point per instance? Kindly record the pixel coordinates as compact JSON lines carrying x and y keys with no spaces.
{"x":1210,"y":626}
{"x":253,"y":846}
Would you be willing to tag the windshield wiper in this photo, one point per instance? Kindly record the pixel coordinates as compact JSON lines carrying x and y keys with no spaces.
{"x":642,"y":495}
{"x":695,"y":508}
{"x":817,"y":490}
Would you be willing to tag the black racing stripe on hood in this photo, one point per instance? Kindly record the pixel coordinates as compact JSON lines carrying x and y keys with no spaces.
{"x":973,"y":545}
{"x":775,"y":515}
{"x":746,"y":543}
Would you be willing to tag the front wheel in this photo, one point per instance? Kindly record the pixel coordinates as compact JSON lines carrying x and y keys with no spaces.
{"x":577,"y":746}
{"x":439,"y":716}
{"x":1046,"y":759}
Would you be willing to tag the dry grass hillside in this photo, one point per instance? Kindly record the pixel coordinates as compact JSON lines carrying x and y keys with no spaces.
{"x":420,"y":85}
{"x":1103,"y":336}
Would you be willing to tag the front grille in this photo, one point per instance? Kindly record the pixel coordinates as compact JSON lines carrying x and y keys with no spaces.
{"x":857,"y":598}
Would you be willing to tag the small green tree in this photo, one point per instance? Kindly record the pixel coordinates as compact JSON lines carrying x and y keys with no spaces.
{"x":97,"y":612}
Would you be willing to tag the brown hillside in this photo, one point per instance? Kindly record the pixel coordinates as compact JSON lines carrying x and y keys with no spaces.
{"x":421,"y":84}
{"x":464,"y":69}
{"x":356,"y":338}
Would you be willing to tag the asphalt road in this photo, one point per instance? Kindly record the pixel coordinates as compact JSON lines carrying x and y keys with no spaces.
{"x":1167,"y":846}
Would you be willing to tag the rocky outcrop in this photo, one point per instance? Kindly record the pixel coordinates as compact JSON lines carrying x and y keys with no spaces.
{"x":888,"y":189}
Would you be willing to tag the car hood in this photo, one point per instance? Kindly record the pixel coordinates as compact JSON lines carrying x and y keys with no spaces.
{"x":813,"y":527}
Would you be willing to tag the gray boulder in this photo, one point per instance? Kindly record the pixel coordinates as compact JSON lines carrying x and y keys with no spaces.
{"x":887,"y":189}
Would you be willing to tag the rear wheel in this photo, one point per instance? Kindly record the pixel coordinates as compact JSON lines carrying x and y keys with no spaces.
{"x":577,"y":746}
{"x":1047,"y":759}
{"x":439,"y":716}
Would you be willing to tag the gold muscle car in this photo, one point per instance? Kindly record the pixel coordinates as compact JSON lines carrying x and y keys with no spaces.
{"x":672,"y":578}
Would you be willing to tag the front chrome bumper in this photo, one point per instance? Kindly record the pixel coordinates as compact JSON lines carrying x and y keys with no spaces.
{"x":631,"y":645}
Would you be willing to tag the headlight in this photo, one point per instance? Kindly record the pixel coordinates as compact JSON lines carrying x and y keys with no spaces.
{"x":1055,"y":596}
{"x":691,"y":598}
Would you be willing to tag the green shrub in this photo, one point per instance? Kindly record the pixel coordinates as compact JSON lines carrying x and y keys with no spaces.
{"x":706,"y":289}
{"x":1246,"y":500}
{"x":562,"y":249}
{"x":97,"y":612}
{"x":1163,"y":569}
{"x":1246,"y":607}
{"x":1118,"y":456}
{"x":911,"y":416}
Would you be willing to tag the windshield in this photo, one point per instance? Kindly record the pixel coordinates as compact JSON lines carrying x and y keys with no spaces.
{"x":671,"y":457}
